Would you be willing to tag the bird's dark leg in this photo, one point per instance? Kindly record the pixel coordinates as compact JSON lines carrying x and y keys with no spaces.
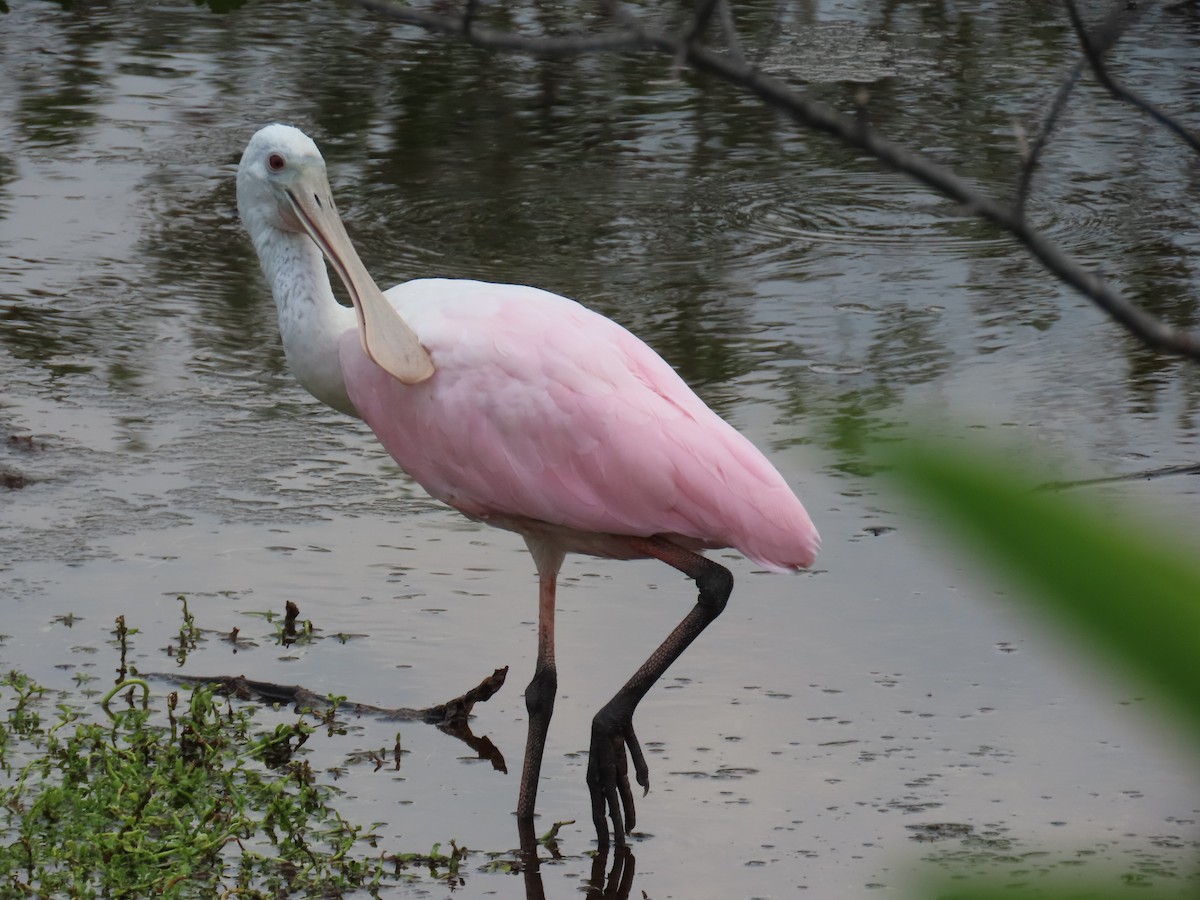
{"x":539,"y":696}
{"x":612,"y":727}
{"x":531,"y":864}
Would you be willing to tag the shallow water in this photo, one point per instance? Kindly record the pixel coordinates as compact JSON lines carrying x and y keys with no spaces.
{"x":831,"y":730}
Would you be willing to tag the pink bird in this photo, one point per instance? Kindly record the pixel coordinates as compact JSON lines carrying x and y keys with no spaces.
{"x":523,"y":410}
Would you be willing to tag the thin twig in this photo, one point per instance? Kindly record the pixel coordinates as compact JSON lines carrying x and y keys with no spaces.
{"x":545,"y":46}
{"x":1034,"y":152}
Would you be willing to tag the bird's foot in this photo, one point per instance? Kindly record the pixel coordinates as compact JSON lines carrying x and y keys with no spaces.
{"x":608,"y":774}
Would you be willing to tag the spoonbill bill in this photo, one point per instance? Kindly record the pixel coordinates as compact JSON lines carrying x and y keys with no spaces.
{"x":526,"y":411}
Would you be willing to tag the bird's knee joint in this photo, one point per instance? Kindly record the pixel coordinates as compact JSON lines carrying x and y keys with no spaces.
{"x":605,"y":722}
{"x":539,"y":695}
{"x":715,"y":584}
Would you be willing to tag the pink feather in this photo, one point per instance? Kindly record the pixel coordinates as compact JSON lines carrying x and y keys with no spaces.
{"x":543,"y":411}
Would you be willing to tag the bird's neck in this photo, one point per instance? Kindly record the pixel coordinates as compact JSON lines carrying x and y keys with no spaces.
{"x":311,"y":321}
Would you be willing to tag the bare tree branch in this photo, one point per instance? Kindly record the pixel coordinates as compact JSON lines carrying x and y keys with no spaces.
{"x":1094,"y":49}
{"x":1033,"y":153}
{"x":685,"y":48}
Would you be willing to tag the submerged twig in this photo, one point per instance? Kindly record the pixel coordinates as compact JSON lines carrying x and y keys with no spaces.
{"x":1144,"y":475}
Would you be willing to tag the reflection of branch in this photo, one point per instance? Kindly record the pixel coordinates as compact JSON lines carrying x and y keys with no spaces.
{"x":1034,"y":152}
{"x":1094,"y":48}
{"x":1099,"y":42}
{"x":685,"y":49}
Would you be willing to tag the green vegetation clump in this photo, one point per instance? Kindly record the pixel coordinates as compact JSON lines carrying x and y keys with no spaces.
{"x":192,"y":800}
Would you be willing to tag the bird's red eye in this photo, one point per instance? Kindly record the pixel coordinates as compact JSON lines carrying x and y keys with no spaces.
{"x":276,"y":163}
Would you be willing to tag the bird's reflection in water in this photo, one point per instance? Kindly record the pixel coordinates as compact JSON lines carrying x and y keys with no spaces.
{"x":615,"y":883}
{"x":620,"y":877}
{"x":604,"y":882}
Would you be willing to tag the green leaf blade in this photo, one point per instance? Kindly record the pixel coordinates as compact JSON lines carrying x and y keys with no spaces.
{"x":1133,"y":594}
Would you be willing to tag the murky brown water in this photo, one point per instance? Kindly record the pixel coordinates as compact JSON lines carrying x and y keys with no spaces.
{"x":831,"y":730}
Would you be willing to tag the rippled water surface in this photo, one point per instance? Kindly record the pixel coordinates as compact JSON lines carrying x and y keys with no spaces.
{"x":830,"y":731}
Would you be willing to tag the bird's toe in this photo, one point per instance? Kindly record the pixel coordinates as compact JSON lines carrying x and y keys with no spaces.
{"x":614,"y":745}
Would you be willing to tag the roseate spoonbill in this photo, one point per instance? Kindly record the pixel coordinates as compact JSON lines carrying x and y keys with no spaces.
{"x":526,"y":411}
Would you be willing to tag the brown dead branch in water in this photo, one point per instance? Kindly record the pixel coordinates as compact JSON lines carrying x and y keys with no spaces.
{"x":450,"y":717}
{"x":243,"y":688}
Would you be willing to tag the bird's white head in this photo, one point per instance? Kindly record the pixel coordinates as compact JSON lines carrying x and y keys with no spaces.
{"x":279,"y":160}
{"x":282,"y":187}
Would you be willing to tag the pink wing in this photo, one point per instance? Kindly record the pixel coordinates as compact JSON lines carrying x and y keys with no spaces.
{"x":542,"y":409}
